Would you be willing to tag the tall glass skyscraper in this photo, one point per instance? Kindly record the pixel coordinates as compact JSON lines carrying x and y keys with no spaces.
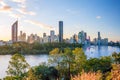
{"x":60,"y":31}
{"x":99,"y":36}
{"x":15,"y":32}
{"x":99,"y":39}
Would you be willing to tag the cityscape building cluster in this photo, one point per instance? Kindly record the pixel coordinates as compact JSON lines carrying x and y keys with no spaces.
{"x":80,"y":38}
{"x":35,"y":38}
{"x":100,"y":41}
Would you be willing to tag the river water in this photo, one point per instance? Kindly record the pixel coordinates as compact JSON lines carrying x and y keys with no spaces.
{"x":33,"y":60}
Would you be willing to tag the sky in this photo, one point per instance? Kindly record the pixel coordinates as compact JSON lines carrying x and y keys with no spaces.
{"x":39,"y":16}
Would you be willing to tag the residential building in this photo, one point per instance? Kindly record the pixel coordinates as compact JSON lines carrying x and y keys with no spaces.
{"x":15,"y":32}
{"x":22,"y":37}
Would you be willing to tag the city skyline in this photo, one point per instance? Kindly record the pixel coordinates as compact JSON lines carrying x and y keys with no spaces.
{"x":39,"y":16}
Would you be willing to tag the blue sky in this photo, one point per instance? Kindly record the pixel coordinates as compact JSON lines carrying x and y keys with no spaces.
{"x":38,"y":16}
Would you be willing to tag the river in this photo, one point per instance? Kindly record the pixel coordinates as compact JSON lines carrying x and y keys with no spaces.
{"x":33,"y":60}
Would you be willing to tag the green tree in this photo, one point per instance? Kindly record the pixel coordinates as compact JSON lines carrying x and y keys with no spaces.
{"x":17,"y":66}
{"x":55,"y":57}
{"x":43,"y":72}
{"x":116,"y":57}
{"x":12,"y":78}
{"x":80,"y":59}
{"x":67,"y":60}
{"x":94,"y":64}
{"x":31,"y":75}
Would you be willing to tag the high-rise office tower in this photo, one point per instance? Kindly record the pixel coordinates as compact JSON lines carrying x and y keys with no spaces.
{"x":85,"y":35}
{"x":44,"y":34}
{"x":99,"y":36}
{"x":15,"y":32}
{"x":60,"y":31}
{"x":82,"y":37}
{"x":99,"y":39}
{"x":52,"y":33}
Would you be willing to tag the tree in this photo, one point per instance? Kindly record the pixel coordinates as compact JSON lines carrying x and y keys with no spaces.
{"x":116,"y":57}
{"x":88,"y":76}
{"x":68,"y":60}
{"x":55,"y":57}
{"x":31,"y":75}
{"x":43,"y":72}
{"x":103,"y":64}
{"x":17,"y":66}
{"x":115,"y":72}
{"x":12,"y":78}
{"x":80,"y":59}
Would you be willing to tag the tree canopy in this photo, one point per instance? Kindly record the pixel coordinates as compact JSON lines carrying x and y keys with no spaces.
{"x":17,"y":66}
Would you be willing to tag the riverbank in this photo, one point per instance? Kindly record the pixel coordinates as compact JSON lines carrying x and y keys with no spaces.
{"x":35,"y":48}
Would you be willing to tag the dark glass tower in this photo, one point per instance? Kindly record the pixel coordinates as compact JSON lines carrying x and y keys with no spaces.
{"x":60,"y":31}
{"x":99,"y":39}
{"x":99,"y":36}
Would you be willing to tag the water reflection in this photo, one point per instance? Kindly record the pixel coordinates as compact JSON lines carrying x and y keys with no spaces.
{"x":34,"y":60}
{"x":98,"y":51}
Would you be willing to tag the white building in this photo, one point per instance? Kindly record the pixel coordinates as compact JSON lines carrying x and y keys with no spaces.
{"x":22,"y":37}
{"x":2,"y":43}
{"x":34,"y":38}
{"x":9,"y":42}
{"x":46,"y":39}
{"x":81,"y":37}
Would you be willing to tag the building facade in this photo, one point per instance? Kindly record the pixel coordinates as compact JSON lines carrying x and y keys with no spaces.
{"x":82,"y":37}
{"x":15,"y":32}
{"x":22,"y":37}
{"x":34,"y":38}
{"x":60,"y":31}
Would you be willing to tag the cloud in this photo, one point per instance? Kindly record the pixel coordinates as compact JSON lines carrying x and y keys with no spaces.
{"x":70,"y":11}
{"x":23,"y":8}
{"x":16,"y":15}
{"x":98,"y":17}
{"x":21,"y":5}
{"x":2,"y":3}
{"x":24,"y":11}
{"x":4,"y":7}
{"x":38,"y":24}
{"x":19,"y":1}
{"x":18,"y":11}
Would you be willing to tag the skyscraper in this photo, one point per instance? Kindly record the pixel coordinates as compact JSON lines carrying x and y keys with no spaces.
{"x":60,"y":31}
{"x":15,"y":32}
{"x":85,"y":35}
{"x":82,"y":37}
{"x":99,"y":39}
{"x":44,"y":35}
{"x":99,"y":36}
{"x":52,"y":33}
{"x":22,"y":37}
